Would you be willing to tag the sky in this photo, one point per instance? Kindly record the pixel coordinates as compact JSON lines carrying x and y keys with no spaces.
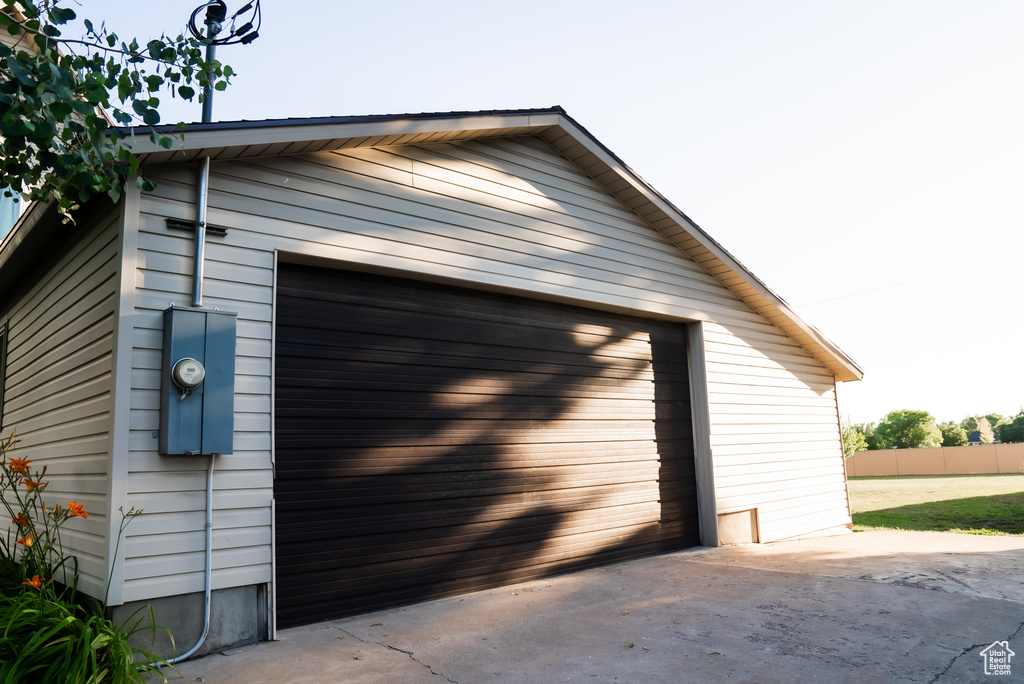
{"x":864,"y":160}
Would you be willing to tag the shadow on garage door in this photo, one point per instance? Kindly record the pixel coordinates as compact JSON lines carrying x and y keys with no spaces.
{"x":433,"y":440}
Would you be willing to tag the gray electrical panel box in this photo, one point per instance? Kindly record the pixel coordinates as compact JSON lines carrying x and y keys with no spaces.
{"x":197,"y":401}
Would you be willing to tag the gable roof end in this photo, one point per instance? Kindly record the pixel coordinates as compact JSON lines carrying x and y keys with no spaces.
{"x":246,"y":139}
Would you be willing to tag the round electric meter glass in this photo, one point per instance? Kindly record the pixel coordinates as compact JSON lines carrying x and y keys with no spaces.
{"x":188,"y":373}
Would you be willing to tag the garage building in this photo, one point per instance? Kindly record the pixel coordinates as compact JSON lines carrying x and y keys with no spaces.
{"x":468,"y":349}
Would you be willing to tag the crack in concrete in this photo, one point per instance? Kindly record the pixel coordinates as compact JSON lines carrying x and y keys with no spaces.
{"x":953,"y":579}
{"x":399,"y":650}
{"x":967,"y":650}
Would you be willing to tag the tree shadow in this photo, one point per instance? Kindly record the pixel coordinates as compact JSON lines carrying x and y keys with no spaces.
{"x":996,"y":513}
{"x":446,"y":441}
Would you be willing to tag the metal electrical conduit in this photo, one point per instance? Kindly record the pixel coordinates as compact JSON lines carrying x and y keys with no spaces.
{"x":216,"y":13}
{"x":216,"y":10}
{"x":208,"y":575}
{"x":200,"y":253}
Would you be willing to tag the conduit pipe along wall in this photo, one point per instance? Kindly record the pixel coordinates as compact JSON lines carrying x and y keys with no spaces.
{"x":200,"y":246}
{"x":216,"y":13}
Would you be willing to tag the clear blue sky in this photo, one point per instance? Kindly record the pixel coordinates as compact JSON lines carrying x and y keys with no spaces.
{"x":865,"y":160}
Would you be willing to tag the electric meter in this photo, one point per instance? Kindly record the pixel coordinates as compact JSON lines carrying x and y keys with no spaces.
{"x":188,"y":373}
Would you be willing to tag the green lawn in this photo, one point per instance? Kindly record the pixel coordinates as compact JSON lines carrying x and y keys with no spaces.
{"x":969,"y":504}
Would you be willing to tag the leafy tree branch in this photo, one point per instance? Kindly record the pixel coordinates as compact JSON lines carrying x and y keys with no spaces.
{"x":61,"y":100}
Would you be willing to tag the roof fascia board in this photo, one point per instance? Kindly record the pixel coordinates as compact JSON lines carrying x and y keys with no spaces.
{"x":22,"y":228}
{"x":854,"y":372}
{"x":244,"y":135}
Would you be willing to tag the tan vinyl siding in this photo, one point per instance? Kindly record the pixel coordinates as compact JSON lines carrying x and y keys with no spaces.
{"x":165,"y":552}
{"x":509,"y":214}
{"x":58,"y":385}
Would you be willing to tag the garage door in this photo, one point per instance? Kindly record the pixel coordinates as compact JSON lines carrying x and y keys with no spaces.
{"x":433,"y":440}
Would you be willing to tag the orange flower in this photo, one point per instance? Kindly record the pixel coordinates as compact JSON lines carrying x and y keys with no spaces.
{"x":21,"y":520}
{"x":36,"y":582}
{"x":25,"y":541}
{"x":77,"y":510}
{"x":19,"y":466}
{"x":34,"y":485}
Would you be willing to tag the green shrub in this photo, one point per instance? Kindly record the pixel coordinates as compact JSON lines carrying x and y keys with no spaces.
{"x":46,"y":633}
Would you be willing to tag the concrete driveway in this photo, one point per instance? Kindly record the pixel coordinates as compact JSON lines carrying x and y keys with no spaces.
{"x":865,"y":607}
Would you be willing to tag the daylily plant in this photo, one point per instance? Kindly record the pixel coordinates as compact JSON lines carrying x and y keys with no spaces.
{"x":32,"y":542}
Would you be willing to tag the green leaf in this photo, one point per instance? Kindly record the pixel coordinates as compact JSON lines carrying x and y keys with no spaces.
{"x":166,"y":142}
{"x":186,"y":93}
{"x":61,"y":15}
{"x":21,"y":72}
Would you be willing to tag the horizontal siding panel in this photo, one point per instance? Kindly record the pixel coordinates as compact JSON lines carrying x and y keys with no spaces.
{"x":148,"y":461}
{"x":51,"y":341}
{"x":146,"y":567}
{"x":493,"y":246}
{"x":736,"y":480}
{"x":767,"y":471}
{"x":57,"y":397}
{"x":762,"y":458}
{"x":790,"y":365}
{"x":538,"y":169}
{"x":86,"y":379}
{"x":96,"y":294}
{"x":800,"y":426}
{"x":170,"y":481}
{"x":780,"y":447}
{"x":191,"y":542}
{"x":89,"y":449}
{"x":89,"y":261}
{"x":84,"y":347}
{"x":171,"y":584}
{"x":150,"y":526}
{"x":751,"y":495}
{"x":183,"y":502}
{"x":718,"y":379}
{"x":806,"y":526}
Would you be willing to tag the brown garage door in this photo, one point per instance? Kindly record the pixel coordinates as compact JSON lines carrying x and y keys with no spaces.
{"x":432,"y":440}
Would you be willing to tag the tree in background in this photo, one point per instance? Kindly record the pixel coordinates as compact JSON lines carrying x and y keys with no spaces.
{"x":969,"y":424}
{"x":985,"y":433}
{"x":1012,"y":431}
{"x":870,"y":434}
{"x":953,"y":434}
{"x":995,"y":420}
{"x":853,"y":440}
{"x":56,"y":141}
{"x":908,"y":430}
